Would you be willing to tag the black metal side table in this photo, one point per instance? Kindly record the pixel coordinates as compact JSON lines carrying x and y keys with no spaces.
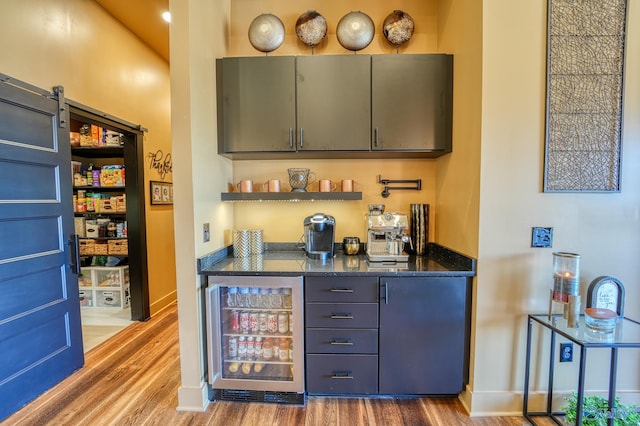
{"x":626,"y":335}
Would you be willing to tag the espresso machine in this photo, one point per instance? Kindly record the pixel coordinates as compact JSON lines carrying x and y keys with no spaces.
{"x":318,"y":236}
{"x":386,"y":235}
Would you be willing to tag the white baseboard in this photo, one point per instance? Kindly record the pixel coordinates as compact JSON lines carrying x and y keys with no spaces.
{"x":504,"y":403}
{"x":193,"y":398}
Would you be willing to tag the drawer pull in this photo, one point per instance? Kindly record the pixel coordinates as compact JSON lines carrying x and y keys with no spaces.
{"x":341,"y":316}
{"x":342,"y":342}
{"x":341,"y":290}
{"x":345,"y":375}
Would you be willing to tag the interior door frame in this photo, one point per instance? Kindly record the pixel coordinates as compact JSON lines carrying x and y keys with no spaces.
{"x":136,"y":207}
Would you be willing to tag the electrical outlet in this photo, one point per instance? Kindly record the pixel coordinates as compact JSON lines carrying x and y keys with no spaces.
{"x":566,"y":352}
{"x":206,"y":233}
{"x":541,"y":237}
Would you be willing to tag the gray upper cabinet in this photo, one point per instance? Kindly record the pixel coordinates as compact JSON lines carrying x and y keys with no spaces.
{"x":412,"y":102}
{"x":256,"y":104}
{"x":334,"y":102}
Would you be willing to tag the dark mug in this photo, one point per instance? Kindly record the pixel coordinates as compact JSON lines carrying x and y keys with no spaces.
{"x":351,"y":245}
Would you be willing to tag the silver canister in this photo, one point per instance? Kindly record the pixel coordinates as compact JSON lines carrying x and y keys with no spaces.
{"x":256,"y":244}
{"x":241,"y":243}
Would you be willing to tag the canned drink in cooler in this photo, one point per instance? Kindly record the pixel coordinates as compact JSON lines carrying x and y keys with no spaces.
{"x":244,"y":321}
{"x":242,"y":347}
{"x":254,"y":321}
{"x":263,"y":323}
{"x":233,"y":347}
{"x":283,"y":323}
{"x":272,"y":323}
{"x":250,"y":347}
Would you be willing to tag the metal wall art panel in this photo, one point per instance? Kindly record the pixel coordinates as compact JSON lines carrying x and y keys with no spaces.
{"x":585,"y":64}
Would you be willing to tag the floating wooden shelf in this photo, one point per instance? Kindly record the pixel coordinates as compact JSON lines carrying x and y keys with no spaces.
{"x":291,"y":196}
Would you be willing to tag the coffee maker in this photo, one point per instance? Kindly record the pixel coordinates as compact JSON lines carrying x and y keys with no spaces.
{"x":386,"y":235}
{"x":319,"y":235}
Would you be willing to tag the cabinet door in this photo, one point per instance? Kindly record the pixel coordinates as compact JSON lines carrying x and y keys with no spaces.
{"x":412,"y":102}
{"x":256,"y":104}
{"x":334,"y":102}
{"x":423,"y":335}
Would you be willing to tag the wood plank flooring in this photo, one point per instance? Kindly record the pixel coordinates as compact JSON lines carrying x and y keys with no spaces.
{"x":133,"y":379}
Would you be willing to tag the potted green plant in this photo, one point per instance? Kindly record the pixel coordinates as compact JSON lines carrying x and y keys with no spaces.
{"x":596,"y":411}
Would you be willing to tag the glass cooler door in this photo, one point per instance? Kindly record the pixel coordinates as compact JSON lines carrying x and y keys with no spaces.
{"x":254,"y":333}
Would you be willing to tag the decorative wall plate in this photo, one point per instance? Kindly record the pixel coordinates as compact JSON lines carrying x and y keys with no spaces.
{"x":266,"y":32}
{"x":398,"y":27}
{"x":311,"y":28}
{"x":355,"y":31}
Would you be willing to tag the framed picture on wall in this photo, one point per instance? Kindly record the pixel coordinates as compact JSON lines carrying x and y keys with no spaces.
{"x":161,"y":192}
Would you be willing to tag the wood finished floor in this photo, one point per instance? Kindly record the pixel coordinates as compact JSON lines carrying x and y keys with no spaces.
{"x":133,"y":379}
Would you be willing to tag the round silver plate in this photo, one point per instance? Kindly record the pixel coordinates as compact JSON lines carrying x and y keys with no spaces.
{"x":266,"y":32}
{"x":355,"y":31}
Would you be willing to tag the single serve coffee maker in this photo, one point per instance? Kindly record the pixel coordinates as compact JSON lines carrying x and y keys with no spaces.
{"x":318,"y":236}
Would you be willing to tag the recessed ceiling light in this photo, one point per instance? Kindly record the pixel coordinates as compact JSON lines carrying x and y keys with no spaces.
{"x":166,"y":16}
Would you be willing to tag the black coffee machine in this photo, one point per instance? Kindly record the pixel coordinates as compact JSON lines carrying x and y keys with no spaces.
{"x":319,"y":235}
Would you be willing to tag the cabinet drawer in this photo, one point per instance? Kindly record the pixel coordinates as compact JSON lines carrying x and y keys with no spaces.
{"x":341,"y":341}
{"x":342,"y":374}
{"x":342,"y":315}
{"x":341,"y":289}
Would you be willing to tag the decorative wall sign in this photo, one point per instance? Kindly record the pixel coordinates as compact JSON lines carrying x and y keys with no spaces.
{"x":161,"y":192}
{"x":161,"y":162}
{"x":585,"y":63}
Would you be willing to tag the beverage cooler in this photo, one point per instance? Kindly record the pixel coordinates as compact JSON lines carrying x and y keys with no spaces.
{"x":255,"y":345}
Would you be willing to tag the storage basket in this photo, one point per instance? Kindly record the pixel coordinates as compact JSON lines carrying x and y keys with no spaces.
{"x":100,"y":248}
{"x":86,"y":247}
{"x":118,"y":247}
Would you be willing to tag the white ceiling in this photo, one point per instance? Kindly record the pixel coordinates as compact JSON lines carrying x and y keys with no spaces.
{"x":143,"y":18}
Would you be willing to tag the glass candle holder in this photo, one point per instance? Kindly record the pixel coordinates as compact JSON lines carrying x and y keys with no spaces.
{"x":566,"y":276}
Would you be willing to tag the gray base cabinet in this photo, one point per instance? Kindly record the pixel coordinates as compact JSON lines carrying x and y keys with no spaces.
{"x":341,"y":328}
{"x":388,"y":336}
{"x":423,"y":335}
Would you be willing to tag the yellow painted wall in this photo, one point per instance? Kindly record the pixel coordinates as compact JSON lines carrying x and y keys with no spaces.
{"x":283,"y":222}
{"x":77,"y":45}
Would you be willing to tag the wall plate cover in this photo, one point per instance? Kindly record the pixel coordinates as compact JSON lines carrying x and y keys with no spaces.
{"x":541,"y":237}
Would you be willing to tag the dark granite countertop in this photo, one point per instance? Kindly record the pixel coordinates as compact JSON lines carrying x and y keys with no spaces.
{"x":289,"y":259}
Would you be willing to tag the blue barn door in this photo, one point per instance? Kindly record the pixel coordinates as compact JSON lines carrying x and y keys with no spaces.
{"x":40,"y":332}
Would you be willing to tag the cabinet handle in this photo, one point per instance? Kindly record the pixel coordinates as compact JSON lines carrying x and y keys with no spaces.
{"x":341,"y":316}
{"x":375,"y":136}
{"x":384,"y":292}
{"x":341,"y":342}
{"x":341,"y":290}
{"x":74,"y":254}
{"x":301,"y":139}
{"x":290,"y":137}
{"x":345,"y":375}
